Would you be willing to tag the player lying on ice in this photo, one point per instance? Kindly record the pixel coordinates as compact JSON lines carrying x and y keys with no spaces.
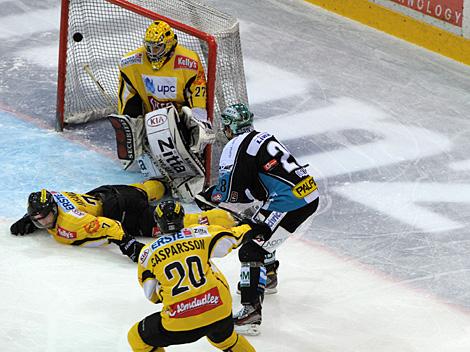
{"x":162,"y":125}
{"x":256,"y":166}
{"x":177,"y":270}
{"x":112,"y":213}
{"x":107,"y":214}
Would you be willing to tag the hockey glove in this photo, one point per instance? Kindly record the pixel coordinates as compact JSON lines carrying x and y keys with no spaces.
{"x":259,"y":231}
{"x":131,"y":247}
{"x":203,"y":199}
{"x":23,"y":226}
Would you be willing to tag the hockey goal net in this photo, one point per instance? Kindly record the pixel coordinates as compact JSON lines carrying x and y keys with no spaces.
{"x":95,"y":34}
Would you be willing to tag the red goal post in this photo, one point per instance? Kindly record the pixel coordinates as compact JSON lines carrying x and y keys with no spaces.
{"x":95,"y":34}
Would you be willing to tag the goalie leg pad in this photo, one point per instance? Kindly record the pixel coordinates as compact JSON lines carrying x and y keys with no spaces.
{"x":148,"y":167}
{"x":187,"y":189}
{"x":170,"y":153}
{"x":129,"y":137}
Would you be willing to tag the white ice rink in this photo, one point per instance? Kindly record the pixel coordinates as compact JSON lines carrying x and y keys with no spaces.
{"x":383,"y":266}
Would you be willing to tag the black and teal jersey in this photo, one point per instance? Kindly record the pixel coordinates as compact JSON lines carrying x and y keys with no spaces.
{"x":255,"y":165}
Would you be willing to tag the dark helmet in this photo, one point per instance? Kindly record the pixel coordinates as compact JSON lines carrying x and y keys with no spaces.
{"x":237,"y":118}
{"x":169,"y":216}
{"x":40,"y":205}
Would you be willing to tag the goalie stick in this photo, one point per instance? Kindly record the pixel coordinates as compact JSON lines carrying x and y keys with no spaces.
{"x":88,"y":70}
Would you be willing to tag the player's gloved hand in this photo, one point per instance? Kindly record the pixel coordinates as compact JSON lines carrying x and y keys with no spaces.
{"x":203,"y":199}
{"x":131,"y":247}
{"x":23,"y":226}
{"x":259,"y":230}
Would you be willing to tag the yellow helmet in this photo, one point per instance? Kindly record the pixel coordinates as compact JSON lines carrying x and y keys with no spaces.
{"x":160,"y":41}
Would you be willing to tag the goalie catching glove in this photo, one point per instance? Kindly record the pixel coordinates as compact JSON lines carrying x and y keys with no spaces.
{"x":200,"y":131}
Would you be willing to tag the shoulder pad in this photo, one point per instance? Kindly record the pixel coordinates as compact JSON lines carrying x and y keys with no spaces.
{"x":257,"y":142}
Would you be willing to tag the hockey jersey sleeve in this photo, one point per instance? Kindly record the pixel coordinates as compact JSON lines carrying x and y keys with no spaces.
{"x":82,"y":229}
{"x":147,"y":281}
{"x":237,"y":172}
{"x":129,"y":101}
{"x":225,"y":240}
{"x":211,"y":217}
{"x":196,"y":93}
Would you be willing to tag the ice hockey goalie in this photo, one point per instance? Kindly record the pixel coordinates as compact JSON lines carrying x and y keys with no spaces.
{"x":165,"y":145}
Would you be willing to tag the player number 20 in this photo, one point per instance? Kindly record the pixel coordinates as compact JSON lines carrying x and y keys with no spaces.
{"x":180,"y":271}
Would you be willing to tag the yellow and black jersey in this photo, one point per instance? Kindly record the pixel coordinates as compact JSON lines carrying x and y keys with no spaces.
{"x":79,"y":221}
{"x":181,"y":81}
{"x":210,"y":217}
{"x":177,"y":270}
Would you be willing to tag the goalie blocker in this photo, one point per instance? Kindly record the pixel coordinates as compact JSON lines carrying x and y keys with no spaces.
{"x":165,"y":145}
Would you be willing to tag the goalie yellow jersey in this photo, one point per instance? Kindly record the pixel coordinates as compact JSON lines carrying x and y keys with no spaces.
{"x":181,"y":81}
{"x":177,"y":270}
{"x":79,"y":221}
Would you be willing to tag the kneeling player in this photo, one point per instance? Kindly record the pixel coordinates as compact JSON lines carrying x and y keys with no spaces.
{"x":176,"y":270}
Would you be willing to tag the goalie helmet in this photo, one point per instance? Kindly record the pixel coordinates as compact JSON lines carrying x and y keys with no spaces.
{"x":159,"y":42}
{"x":40,"y":205}
{"x":237,"y":119}
{"x":169,"y":216}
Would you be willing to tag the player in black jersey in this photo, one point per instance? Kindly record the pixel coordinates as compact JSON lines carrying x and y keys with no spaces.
{"x":256,"y":166}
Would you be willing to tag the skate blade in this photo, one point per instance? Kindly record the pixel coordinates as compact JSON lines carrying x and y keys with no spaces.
{"x":270,"y":291}
{"x":248,"y":329}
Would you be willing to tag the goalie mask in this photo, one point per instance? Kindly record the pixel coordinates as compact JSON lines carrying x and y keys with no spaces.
{"x":159,"y":42}
{"x":169,"y":216}
{"x":237,"y":119}
{"x":42,"y":209}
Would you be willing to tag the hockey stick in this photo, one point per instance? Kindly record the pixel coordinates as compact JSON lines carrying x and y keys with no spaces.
{"x":237,"y":215}
{"x":88,"y":70}
{"x":240,"y":217}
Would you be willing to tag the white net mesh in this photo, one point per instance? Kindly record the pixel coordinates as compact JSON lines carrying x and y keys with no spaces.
{"x":109,"y":31}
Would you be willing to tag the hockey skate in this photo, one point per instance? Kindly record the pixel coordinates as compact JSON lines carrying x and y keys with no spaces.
{"x":248,"y":320}
{"x":271,"y":283}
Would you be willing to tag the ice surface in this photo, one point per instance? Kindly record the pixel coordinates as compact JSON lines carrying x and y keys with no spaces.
{"x":384,"y":265}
